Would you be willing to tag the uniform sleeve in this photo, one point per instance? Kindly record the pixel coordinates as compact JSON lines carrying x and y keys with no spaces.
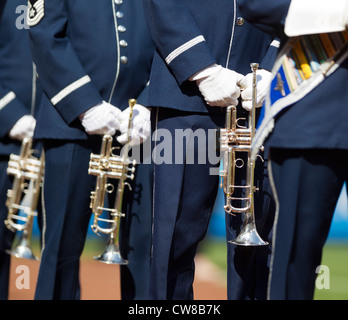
{"x":271,"y":55}
{"x":267,"y":15}
{"x":177,"y":37}
{"x":11,"y":110}
{"x":60,"y":72}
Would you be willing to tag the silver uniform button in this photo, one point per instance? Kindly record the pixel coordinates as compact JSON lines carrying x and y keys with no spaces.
{"x":119,"y":14}
{"x":121,"y":28}
{"x":124,"y":59}
{"x":240,"y":21}
{"x":123,"y":43}
{"x":118,"y":1}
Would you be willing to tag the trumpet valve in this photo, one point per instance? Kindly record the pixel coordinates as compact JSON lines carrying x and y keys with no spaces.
{"x":231,"y":136}
{"x":104,"y":163}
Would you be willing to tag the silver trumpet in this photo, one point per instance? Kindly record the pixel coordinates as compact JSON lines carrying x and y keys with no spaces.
{"x":236,"y":138}
{"x":107,"y":165}
{"x":28,"y":172}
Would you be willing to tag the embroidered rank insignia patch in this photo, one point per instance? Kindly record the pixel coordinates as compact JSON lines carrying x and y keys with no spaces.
{"x":36,"y":11}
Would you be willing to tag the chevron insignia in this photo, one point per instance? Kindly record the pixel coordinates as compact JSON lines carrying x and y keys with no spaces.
{"x":36,"y":11}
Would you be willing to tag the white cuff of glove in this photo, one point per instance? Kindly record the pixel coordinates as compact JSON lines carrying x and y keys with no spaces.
{"x":263,"y":78}
{"x":206,"y":72}
{"x":316,"y":16}
{"x":101,"y":119}
{"x":218,"y":85}
{"x":23,"y":128}
{"x":141,"y":125}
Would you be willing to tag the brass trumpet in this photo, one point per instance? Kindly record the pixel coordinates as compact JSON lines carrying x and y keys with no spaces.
{"x":107,"y":165}
{"x":28,"y":172}
{"x":235,"y":138}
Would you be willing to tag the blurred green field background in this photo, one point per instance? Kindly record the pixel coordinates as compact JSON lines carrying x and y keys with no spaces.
{"x":335,"y":256}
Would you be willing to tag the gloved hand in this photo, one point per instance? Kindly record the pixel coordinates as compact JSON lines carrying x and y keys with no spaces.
{"x":24,"y":127}
{"x":218,"y":85}
{"x":103,"y":118}
{"x":263,"y":78}
{"x":141,"y":125}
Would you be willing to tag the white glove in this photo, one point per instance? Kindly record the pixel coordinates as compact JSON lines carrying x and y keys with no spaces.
{"x":141,"y":125}
{"x":218,"y":85}
{"x":263,"y":78}
{"x":24,"y":127}
{"x":103,"y":118}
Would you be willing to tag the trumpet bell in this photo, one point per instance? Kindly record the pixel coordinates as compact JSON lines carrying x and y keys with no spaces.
{"x":111,"y":254}
{"x":23,"y":250}
{"x":249,"y":237}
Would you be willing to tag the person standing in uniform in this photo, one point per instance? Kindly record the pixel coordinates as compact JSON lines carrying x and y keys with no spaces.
{"x":19,"y":98}
{"x":308,"y":146}
{"x":91,"y":57}
{"x":204,"y":50}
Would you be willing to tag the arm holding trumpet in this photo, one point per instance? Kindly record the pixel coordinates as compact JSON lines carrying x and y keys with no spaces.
{"x":19,"y":100}
{"x":89,"y":71}
{"x":221,"y":87}
{"x":198,"y":70}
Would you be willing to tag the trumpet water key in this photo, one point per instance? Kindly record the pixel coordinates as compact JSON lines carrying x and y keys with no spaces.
{"x":236,"y":139}
{"x":107,"y":166}
{"x":28,"y":172}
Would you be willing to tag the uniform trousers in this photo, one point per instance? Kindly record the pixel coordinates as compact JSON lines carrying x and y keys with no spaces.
{"x":307,"y":185}
{"x":6,"y":236}
{"x":184,"y":196}
{"x":248,"y":266}
{"x":66,"y":200}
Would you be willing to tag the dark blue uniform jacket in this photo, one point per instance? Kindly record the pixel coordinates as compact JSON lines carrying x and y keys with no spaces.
{"x":189,"y":37}
{"x":84,"y":56}
{"x":19,"y":91}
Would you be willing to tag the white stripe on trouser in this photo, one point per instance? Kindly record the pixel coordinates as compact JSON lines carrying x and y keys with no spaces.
{"x":154,"y":183}
{"x":276,"y":200}
{"x":43,"y":212}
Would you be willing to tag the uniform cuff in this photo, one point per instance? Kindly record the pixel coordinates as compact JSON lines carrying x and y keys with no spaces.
{"x":71,"y":103}
{"x":191,"y":61}
{"x":10,"y":114}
